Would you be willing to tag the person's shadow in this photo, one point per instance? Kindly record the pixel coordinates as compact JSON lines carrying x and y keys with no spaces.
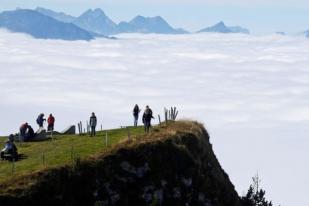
{"x":22,"y":157}
{"x":10,"y":158}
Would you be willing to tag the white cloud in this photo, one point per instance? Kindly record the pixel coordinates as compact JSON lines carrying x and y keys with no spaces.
{"x":251,"y":91}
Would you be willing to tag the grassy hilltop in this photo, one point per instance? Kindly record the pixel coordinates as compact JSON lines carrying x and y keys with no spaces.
{"x":64,"y":149}
{"x":173,"y":165}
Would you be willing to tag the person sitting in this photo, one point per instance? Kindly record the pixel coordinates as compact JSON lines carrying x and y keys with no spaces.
{"x":30,"y":134}
{"x":10,"y":150}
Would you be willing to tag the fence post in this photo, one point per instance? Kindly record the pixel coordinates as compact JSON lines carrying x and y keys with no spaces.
{"x":19,"y":135}
{"x":52,"y":135}
{"x":72,"y":155}
{"x":159,"y":119}
{"x":13,"y":167}
{"x":129,"y":133}
{"x":106,"y":138}
{"x":43,"y":159}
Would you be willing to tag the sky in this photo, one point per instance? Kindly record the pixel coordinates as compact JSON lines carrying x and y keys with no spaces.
{"x":260,"y":16}
{"x":251,"y":93}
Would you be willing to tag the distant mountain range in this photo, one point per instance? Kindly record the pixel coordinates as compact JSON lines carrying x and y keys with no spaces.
{"x":48,"y":24}
{"x":222,"y":28}
{"x":142,"y":24}
{"x":60,"y":16}
{"x":98,"y":22}
{"x":41,"y":26}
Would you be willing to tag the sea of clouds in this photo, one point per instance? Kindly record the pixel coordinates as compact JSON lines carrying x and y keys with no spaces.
{"x":251,"y":92}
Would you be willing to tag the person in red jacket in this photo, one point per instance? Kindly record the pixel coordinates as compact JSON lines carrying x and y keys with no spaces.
{"x":51,"y":122}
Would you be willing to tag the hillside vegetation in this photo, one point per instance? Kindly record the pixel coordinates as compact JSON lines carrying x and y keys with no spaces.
{"x":64,"y":149}
{"x":173,"y":165}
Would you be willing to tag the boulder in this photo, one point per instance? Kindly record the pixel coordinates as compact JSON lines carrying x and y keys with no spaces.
{"x":69,"y":130}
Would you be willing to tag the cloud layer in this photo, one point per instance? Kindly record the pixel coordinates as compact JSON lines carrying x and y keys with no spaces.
{"x":252,"y":93}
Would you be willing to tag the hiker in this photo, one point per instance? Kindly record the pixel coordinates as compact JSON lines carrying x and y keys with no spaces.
{"x":9,"y":149}
{"x":147,"y":116}
{"x":30,"y":134}
{"x":40,"y":120}
{"x":136,"y":112}
{"x":51,"y":122}
{"x":22,"y":131}
{"x":93,"y":124}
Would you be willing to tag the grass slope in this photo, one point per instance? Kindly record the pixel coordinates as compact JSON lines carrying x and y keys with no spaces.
{"x":173,"y":165}
{"x":61,"y":151}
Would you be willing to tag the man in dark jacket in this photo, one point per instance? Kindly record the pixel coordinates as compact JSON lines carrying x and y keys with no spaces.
{"x":30,"y":134}
{"x":136,"y":112}
{"x":147,"y":116}
{"x":93,"y":124}
{"x":40,"y":120}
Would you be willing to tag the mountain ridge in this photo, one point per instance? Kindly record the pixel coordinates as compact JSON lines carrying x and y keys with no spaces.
{"x":222,"y":28}
{"x":41,"y":26}
{"x":96,"y":21}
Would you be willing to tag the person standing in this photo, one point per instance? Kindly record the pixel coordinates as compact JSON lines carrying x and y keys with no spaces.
{"x":147,"y":116}
{"x":93,"y":124}
{"x":51,"y":123}
{"x":40,"y":120}
{"x":136,"y":112}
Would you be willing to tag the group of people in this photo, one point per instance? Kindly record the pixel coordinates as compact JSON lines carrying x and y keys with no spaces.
{"x":50,"y":121}
{"x":26,"y":132}
{"x":147,"y":116}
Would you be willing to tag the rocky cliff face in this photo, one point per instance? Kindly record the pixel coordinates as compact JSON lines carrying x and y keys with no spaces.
{"x":174,"y":165}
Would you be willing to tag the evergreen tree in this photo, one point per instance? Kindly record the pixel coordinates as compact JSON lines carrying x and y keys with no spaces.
{"x":255,"y":196}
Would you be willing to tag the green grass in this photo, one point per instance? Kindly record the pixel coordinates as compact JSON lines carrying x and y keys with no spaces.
{"x":61,"y":151}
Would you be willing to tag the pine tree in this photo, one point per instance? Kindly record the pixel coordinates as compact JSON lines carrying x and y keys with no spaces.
{"x":255,"y":196}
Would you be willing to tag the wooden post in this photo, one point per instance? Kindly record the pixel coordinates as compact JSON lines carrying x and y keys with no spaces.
{"x":43,"y":159}
{"x":165,"y":115}
{"x":13,"y":167}
{"x":72,"y":155}
{"x":106,"y":138}
{"x":129,"y":133}
{"x":52,"y":136}
{"x":87,"y":127}
{"x":101,"y":127}
{"x":159,"y":119}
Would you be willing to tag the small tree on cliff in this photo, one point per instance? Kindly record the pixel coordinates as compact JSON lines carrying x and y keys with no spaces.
{"x":255,"y":196}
